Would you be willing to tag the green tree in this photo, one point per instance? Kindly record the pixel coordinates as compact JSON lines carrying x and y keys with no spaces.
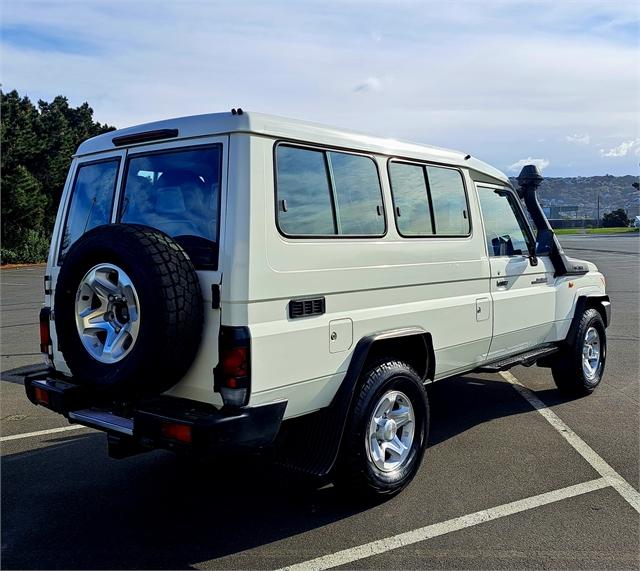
{"x":37,"y":145}
{"x":615,"y":219}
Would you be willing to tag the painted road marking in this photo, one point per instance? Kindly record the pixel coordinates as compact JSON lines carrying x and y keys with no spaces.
{"x":615,"y":480}
{"x":610,"y":478}
{"x":403,"y":539}
{"x":41,"y":432}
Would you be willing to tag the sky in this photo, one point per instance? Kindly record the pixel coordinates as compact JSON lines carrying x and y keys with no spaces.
{"x":512,"y":82}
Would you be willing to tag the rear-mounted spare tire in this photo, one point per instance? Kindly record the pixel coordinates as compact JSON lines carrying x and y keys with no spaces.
{"x":128,"y":310}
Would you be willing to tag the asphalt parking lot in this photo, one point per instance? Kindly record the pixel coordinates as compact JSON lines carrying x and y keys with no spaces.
{"x":503,"y":485}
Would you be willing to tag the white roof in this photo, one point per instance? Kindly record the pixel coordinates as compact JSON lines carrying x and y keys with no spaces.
{"x":291,"y":129}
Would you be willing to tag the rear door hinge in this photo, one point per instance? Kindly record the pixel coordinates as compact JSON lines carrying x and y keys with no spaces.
{"x":47,"y":285}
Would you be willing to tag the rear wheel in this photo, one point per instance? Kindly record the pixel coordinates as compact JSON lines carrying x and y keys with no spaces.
{"x":386,"y":436}
{"x":579,"y":367}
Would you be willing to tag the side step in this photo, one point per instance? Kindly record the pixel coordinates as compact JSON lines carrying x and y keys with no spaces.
{"x":527,"y":359}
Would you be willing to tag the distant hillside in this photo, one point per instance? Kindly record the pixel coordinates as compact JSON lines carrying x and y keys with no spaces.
{"x":582,"y":192}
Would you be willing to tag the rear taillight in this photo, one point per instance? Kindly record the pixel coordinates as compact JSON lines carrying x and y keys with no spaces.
{"x":233,"y":373}
{"x":176,"y":431}
{"x":45,"y":332}
{"x":41,"y":396}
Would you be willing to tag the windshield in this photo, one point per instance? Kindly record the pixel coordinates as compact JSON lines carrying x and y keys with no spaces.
{"x":177,"y":192}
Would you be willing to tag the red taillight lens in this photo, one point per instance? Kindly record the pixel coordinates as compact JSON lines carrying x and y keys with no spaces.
{"x":42,"y":396}
{"x":180,"y":432}
{"x":233,"y":373}
{"x":235,"y":362}
{"x":45,"y":331}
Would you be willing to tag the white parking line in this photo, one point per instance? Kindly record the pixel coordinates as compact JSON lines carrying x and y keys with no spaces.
{"x":403,"y":539}
{"x":609,"y":478}
{"x":41,"y":432}
{"x":615,"y":480}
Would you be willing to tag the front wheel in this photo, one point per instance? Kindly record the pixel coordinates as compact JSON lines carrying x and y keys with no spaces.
{"x":386,"y":435}
{"x":580,"y":366}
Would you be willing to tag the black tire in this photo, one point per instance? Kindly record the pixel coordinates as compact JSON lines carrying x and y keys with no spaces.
{"x":171,"y":309}
{"x":567,"y":371}
{"x":356,"y":470}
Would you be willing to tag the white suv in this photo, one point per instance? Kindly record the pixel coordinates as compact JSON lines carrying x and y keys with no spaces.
{"x":238,"y":280}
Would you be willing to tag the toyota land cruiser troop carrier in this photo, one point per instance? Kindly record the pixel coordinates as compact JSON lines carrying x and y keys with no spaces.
{"x":241,"y":281}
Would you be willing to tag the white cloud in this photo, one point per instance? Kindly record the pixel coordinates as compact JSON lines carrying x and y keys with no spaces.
{"x":622,"y":149}
{"x":370,"y":84}
{"x":578,"y":138}
{"x":540,"y":163}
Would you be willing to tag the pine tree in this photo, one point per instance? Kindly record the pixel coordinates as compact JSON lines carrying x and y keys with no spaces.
{"x":37,"y":145}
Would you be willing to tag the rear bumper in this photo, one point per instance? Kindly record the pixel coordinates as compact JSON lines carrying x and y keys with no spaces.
{"x":202,"y":428}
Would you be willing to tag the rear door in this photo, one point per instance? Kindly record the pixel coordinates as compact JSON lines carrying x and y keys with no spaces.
{"x":180,"y":189}
{"x":522,"y":289}
{"x":87,"y":201}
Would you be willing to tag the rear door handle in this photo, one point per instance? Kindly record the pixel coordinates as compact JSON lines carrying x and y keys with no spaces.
{"x":502,"y":283}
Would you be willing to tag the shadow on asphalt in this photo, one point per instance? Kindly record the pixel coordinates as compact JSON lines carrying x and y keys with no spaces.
{"x":16,"y":376}
{"x":67,"y":505}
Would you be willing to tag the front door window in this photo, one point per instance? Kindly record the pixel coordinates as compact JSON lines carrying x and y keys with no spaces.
{"x":505,"y":229}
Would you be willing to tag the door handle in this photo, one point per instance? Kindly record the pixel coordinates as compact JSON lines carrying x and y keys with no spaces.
{"x":502,"y":283}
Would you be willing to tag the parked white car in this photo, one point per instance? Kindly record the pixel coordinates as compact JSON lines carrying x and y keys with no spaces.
{"x":238,"y":280}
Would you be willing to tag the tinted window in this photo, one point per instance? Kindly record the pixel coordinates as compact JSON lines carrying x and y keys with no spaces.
{"x":358,"y":195}
{"x":410,"y":198}
{"x":449,"y":201}
{"x":304,"y":194}
{"x":91,"y":201}
{"x":327,"y":193}
{"x":429,"y":200}
{"x":177,"y":192}
{"x":505,"y":231}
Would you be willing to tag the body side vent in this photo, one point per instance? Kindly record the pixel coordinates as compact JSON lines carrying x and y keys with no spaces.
{"x":306,"y":307}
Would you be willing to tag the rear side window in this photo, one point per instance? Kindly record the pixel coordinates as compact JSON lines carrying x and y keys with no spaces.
{"x":177,"y":192}
{"x":91,"y":201}
{"x":304,"y":193}
{"x":413,"y":214}
{"x":327,"y":193}
{"x":429,"y":200}
{"x":449,"y":201}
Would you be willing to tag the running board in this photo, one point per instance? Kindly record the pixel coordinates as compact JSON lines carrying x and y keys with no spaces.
{"x":103,"y":420}
{"x":527,"y":359}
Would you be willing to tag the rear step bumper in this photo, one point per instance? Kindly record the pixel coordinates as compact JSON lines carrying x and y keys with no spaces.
{"x":160,"y":422}
{"x":102,"y":420}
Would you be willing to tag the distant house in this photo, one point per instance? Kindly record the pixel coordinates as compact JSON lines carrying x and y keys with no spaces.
{"x":636,"y":222}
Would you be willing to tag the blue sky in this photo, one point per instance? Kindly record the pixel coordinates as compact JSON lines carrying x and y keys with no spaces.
{"x":507,"y":81}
